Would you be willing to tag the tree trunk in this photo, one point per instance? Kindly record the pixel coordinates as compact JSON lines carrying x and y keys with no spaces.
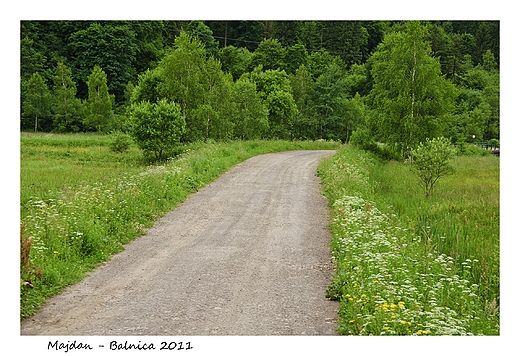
{"x":225,"y":36}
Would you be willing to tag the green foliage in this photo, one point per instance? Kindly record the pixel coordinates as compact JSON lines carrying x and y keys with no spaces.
{"x":199,"y":30}
{"x":302,"y":86}
{"x":111,"y":46}
{"x":235,"y":61}
{"x":147,"y":88}
{"x":352,"y":34}
{"x":67,"y":108}
{"x":99,"y":103}
{"x":480,"y":100}
{"x":329,"y":101}
{"x":320,"y":60}
{"x":251,"y":115}
{"x":409,"y":90}
{"x":432,"y":160}
{"x":405,"y":73}
{"x":295,"y":57}
{"x":270,"y":55}
{"x":274,"y":88}
{"x":120,"y":142}
{"x":409,"y":266}
{"x":218,"y":106}
{"x":36,"y":101}
{"x":157,"y":128}
{"x":31,"y":61}
{"x":183,"y":81}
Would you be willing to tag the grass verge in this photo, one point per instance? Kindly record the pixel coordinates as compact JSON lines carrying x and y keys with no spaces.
{"x":407,"y":265}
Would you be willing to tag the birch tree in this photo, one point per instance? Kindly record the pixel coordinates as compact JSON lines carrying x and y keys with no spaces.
{"x":99,"y":102}
{"x":409,"y":91}
{"x":36,"y":103}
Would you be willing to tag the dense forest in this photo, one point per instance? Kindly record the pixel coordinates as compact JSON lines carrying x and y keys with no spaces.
{"x":371,"y":82}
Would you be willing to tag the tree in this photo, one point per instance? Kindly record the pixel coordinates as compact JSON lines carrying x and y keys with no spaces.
{"x":31,"y":61}
{"x":348,"y":39}
{"x":183,"y":81}
{"x":480,"y":97}
{"x":110,"y":46}
{"x":270,"y":55}
{"x":36,"y":102}
{"x":329,"y":99}
{"x":199,"y":30}
{"x":149,"y":43}
{"x":156,"y":128}
{"x":217,"y":101}
{"x":355,"y":115}
{"x":282,"y":114}
{"x":320,"y":60}
{"x":99,"y":104}
{"x":432,"y":160}
{"x":235,"y":61}
{"x":274,"y":88}
{"x":147,"y":88}
{"x":66,"y":107}
{"x":302,"y":87}
{"x":296,"y":56}
{"x":409,"y":90}
{"x":251,"y":115}
{"x":287,"y":32}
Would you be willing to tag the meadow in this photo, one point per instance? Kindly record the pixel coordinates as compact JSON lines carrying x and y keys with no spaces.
{"x":404,"y":264}
{"x":81,"y":202}
{"x":410,"y":265}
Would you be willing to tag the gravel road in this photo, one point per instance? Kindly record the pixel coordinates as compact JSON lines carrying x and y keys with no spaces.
{"x":247,"y":255}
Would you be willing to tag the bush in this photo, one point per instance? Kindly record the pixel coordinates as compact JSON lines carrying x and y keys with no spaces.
{"x":431,"y":161}
{"x":472,"y":150}
{"x":120,"y":142}
{"x":157,"y":128}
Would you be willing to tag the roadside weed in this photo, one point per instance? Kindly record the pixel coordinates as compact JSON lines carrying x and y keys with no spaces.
{"x":390,"y":279}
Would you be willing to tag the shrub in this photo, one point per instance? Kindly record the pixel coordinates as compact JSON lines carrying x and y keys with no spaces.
{"x":431,"y":161}
{"x":120,"y":142}
{"x":157,"y":128}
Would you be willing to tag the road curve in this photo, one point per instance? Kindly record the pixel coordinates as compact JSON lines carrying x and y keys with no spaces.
{"x":247,"y":255}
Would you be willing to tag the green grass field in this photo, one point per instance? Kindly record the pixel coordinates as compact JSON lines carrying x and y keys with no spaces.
{"x":405,"y":265}
{"x":80,"y":202}
{"x":411,"y":265}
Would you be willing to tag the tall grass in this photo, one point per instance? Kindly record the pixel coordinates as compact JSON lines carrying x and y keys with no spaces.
{"x":461,"y":219}
{"x":81,"y":202}
{"x":408,"y":265}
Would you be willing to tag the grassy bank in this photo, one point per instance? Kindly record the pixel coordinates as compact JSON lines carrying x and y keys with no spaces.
{"x":80,"y":202}
{"x":408,"y":265}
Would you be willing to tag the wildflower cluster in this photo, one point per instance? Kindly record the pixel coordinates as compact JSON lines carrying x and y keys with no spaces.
{"x":86,"y":224}
{"x":388,"y":282}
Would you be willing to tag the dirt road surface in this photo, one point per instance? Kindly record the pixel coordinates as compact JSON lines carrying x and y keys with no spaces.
{"x":247,"y":255}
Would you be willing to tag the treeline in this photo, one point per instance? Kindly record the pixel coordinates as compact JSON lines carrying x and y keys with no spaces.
{"x":389,"y":82}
